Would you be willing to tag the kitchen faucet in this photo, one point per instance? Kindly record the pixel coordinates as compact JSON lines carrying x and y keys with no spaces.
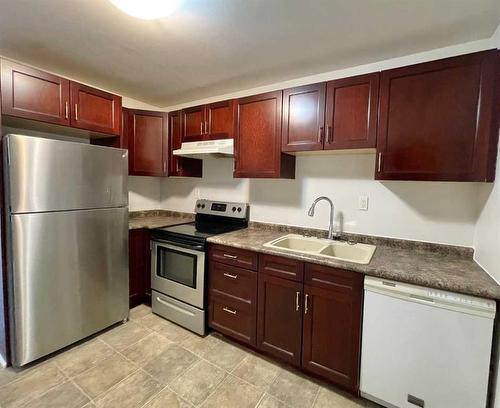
{"x":331,"y":234}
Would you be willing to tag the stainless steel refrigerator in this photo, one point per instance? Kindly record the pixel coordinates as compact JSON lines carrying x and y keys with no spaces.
{"x":67,"y":242}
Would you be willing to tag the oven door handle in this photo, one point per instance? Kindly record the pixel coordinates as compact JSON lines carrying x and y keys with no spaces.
{"x":181,"y":245}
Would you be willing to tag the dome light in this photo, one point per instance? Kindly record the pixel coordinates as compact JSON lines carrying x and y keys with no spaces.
{"x":147,"y":9}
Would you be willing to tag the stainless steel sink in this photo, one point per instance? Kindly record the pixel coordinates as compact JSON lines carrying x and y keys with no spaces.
{"x":341,"y":250}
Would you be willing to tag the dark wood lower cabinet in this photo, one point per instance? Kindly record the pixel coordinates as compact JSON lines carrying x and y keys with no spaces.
{"x":306,"y":315}
{"x":139,"y":267}
{"x":331,"y":336}
{"x":279,"y":320}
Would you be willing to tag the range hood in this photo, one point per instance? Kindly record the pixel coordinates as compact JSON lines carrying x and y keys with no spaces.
{"x":200,"y":150}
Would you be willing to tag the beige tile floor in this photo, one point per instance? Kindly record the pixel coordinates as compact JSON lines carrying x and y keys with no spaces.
{"x":151,"y":363}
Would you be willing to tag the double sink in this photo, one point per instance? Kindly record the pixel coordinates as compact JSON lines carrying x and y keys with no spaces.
{"x":340,"y":250}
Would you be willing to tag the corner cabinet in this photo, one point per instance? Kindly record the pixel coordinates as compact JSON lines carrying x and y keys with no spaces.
{"x":180,"y":166}
{"x":304,"y":314}
{"x":146,"y":135}
{"x":439,"y":120}
{"x":257,"y":135}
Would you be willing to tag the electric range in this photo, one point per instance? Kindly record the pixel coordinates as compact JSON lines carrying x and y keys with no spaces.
{"x":178,"y":261}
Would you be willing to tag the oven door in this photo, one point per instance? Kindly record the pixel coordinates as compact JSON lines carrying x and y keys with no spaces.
{"x":178,"y":270}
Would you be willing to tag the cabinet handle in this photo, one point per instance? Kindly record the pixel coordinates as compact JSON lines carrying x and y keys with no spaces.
{"x":228,"y":275}
{"x":379,"y":161}
{"x":320,"y":134}
{"x":306,"y":304}
{"x":76,"y":111}
{"x":329,"y":134}
{"x":206,"y":127}
{"x":201,"y":128}
{"x":230,"y":256}
{"x":297,"y":297}
{"x":226,"y":309}
{"x":66,"y":110}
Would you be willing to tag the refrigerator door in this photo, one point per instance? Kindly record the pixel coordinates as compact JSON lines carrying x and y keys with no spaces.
{"x":68,"y":278}
{"x":51,"y":175}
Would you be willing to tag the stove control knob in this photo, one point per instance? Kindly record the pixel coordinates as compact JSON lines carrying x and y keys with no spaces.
{"x":234,"y":209}
{"x":203,"y":206}
{"x":198,"y":205}
{"x":239,"y":209}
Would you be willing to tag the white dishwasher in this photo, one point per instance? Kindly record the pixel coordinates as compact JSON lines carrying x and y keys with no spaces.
{"x":425,"y":347}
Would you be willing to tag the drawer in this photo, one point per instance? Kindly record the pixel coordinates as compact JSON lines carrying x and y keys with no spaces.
{"x":337,"y":279}
{"x":233,"y":318}
{"x":282,"y":267}
{"x":231,"y":281}
{"x":234,"y":256}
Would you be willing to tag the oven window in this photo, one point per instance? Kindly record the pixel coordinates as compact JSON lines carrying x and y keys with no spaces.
{"x":176,"y":266}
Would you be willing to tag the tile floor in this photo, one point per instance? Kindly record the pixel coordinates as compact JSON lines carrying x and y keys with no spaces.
{"x":151,"y":363}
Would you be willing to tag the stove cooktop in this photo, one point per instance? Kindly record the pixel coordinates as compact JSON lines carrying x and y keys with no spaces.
{"x":212,"y":218}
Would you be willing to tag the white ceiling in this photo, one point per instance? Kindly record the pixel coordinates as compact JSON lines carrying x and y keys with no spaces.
{"x":212,"y":47}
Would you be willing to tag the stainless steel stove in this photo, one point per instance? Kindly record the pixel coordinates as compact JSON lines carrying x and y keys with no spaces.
{"x":178,"y":261}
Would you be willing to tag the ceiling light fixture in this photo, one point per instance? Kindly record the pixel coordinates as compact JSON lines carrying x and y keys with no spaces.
{"x":147,"y":9}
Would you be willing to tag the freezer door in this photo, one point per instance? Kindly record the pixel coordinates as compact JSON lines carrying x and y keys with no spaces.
{"x":51,"y":175}
{"x":68,"y":278}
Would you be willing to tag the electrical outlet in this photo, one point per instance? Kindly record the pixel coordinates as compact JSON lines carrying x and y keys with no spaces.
{"x":363,"y":203}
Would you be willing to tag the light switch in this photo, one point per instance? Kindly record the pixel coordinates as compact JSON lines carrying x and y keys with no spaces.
{"x":363,"y":203}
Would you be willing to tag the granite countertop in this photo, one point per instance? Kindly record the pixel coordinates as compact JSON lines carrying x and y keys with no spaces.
{"x":436,"y":266}
{"x":157,"y":218}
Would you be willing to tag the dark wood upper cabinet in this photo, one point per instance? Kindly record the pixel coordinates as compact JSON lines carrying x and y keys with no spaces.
{"x":351,"y":112}
{"x":193,"y":123}
{"x":257,"y":137}
{"x":180,"y":166}
{"x":33,"y":94}
{"x":219,"y":120}
{"x":304,"y":118}
{"x":147,"y":142}
{"x":279,"y":318}
{"x":438,"y":120}
{"x":332,"y":324}
{"x":95,"y":110}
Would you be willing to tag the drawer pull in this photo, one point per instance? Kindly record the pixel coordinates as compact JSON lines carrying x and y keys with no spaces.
{"x":230,"y":256}
{"x":228,"y":275}
{"x":297,"y":296}
{"x":306,"y":304}
{"x":226,"y":309}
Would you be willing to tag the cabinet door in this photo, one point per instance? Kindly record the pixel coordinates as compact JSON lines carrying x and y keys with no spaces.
{"x":436,"y":120}
{"x":147,"y":142}
{"x":279,"y":318}
{"x":33,"y":94}
{"x":219,"y":120}
{"x":258,"y":138}
{"x":193,"y":123}
{"x":304,"y":118}
{"x":139,"y":267}
{"x":95,"y":110}
{"x":180,"y":166}
{"x":332,"y":324}
{"x":351,"y":112}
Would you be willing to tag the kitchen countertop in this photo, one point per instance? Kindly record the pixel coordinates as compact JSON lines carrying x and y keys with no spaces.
{"x":431,"y":265}
{"x":157,"y":218}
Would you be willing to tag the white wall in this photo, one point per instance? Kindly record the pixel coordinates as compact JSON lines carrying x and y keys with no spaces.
{"x":487,"y":239}
{"x":437,"y":212}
